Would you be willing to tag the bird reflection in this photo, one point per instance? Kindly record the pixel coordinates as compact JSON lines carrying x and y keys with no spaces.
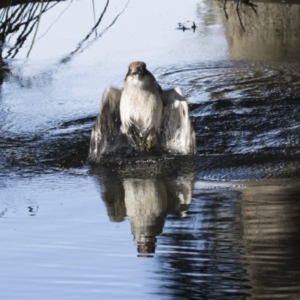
{"x":142,"y":116}
{"x":146,"y":205}
{"x":146,"y":202}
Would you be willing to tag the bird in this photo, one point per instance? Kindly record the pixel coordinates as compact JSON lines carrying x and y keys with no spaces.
{"x":142,"y":115}
{"x":194,"y":27}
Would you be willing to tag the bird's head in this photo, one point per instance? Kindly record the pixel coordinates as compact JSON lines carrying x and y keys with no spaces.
{"x":139,"y":77}
{"x":137,"y":69}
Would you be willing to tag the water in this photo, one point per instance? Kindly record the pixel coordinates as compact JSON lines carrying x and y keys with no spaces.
{"x":222,"y":225}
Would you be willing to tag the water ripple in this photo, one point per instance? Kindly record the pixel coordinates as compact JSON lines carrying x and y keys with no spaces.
{"x":236,"y":81}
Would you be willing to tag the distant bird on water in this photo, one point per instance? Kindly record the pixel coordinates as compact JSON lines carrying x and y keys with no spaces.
{"x":142,"y":115}
{"x":194,"y":26}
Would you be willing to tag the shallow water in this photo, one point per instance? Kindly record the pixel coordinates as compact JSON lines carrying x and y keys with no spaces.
{"x":221,"y":225}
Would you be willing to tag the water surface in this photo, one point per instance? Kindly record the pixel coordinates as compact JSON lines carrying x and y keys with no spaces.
{"x":221,"y":225}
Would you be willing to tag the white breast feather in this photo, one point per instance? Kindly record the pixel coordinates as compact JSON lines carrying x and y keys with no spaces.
{"x":140,"y":105}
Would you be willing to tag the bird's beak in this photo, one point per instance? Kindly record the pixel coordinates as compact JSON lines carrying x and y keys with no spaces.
{"x":137,"y":71}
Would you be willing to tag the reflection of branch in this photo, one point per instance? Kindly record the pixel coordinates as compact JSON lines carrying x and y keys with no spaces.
{"x":80,"y":46}
{"x":248,"y":3}
{"x":238,"y":13}
{"x":14,"y":18}
{"x":68,"y":58}
{"x":94,"y":12}
{"x":36,"y":28}
{"x":21,"y":20}
{"x":237,"y":8}
{"x":55,"y":21}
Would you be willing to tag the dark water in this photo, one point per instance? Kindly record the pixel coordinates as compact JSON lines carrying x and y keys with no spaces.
{"x":222,"y":225}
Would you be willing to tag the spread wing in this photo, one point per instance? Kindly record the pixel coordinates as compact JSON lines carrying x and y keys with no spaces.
{"x":179,"y":193}
{"x":106,"y":135}
{"x":177,"y":134}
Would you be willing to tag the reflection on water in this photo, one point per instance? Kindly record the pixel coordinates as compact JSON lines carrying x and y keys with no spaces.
{"x":270,"y":223}
{"x":235,"y":243}
{"x":208,"y":236}
{"x":146,"y":205}
{"x":20,"y":19}
{"x":23,"y":20}
{"x":146,"y":198}
{"x":202,"y":253}
{"x":266,"y":31}
{"x":235,"y":240}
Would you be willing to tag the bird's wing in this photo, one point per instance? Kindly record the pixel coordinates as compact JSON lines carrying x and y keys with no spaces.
{"x":179,"y":191}
{"x":106,"y":135}
{"x":177,"y":134}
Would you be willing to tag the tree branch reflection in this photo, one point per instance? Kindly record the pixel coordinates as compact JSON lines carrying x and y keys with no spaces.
{"x":84,"y":44}
{"x":237,"y":8}
{"x":21,"y":20}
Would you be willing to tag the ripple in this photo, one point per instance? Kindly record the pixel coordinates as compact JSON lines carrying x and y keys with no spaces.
{"x":234,"y":243}
{"x":246,"y":118}
{"x":234,"y":81}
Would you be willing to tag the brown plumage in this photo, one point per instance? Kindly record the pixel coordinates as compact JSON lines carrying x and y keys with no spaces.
{"x":143,"y":115}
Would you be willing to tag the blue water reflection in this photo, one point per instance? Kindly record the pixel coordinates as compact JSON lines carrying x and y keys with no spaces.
{"x":222,"y":226}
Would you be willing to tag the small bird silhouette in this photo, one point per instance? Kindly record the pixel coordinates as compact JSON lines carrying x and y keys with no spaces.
{"x":194,"y":26}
